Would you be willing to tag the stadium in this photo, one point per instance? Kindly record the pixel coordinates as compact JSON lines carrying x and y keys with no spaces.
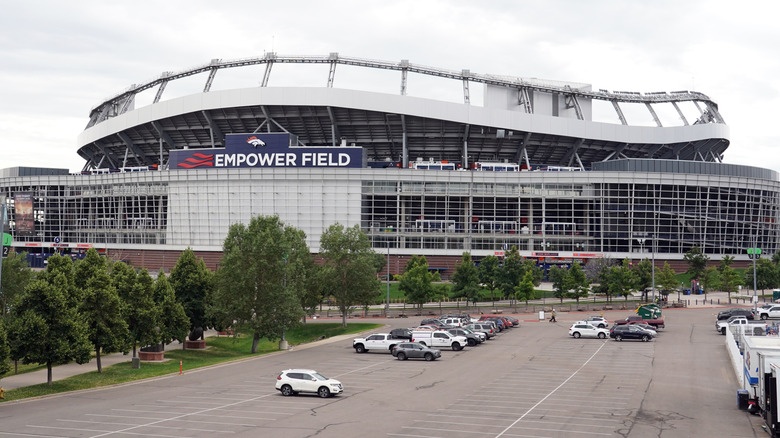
{"x":552,"y":168}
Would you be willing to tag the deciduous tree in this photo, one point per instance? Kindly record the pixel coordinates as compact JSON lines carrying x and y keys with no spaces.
{"x":173,"y":323}
{"x":261,"y":278}
{"x":489,"y":271}
{"x":349,"y":268}
{"x":697,"y":262}
{"x":45,"y":325}
{"x":193,"y":284}
{"x":416,"y":282}
{"x":465,"y":280}
{"x":101,"y":307}
{"x":15,"y":277}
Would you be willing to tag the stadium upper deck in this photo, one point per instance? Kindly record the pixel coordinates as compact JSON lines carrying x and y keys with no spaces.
{"x":525,"y":121}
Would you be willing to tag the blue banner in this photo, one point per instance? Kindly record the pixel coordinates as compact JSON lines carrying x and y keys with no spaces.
{"x":266,"y":150}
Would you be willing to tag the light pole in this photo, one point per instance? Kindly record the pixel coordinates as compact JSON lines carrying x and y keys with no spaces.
{"x":641,"y":241}
{"x":387,"y":304}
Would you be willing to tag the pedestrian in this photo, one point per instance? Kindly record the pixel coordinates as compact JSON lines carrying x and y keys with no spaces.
{"x":552,"y":318}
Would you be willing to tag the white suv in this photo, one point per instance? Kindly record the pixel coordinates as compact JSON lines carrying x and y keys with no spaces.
{"x":291,"y":382}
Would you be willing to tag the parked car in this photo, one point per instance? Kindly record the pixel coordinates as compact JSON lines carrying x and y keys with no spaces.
{"x":292,"y":382}
{"x":482,"y":327}
{"x":471,"y":337}
{"x":630,"y":331}
{"x":585,"y":330}
{"x":499,"y":322}
{"x":401,"y":333}
{"x":597,"y":321}
{"x":406,"y":350}
{"x":741,"y":311}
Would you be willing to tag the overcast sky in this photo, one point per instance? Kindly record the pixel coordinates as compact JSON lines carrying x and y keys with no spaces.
{"x":59,"y":59}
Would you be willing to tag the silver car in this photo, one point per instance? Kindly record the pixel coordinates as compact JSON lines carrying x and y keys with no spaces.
{"x":406,"y":350}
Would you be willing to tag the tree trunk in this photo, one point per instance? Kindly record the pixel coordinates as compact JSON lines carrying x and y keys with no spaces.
{"x":255,"y":341}
{"x":97,"y":358}
{"x":48,"y":373}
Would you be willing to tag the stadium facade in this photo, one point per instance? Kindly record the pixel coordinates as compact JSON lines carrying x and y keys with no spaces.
{"x":529,"y":167}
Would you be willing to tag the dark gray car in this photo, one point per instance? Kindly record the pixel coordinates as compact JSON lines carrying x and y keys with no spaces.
{"x":406,"y":350}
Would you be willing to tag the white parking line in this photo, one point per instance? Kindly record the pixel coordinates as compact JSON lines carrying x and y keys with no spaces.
{"x":503,"y":432}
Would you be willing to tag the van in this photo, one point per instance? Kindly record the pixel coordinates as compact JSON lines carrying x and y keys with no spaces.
{"x":439,"y":338}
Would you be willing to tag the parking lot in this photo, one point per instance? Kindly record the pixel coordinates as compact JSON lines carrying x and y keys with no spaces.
{"x":532,"y":381}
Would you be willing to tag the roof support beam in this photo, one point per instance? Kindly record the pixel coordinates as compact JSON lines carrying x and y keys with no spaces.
{"x":213,"y":129}
{"x":524,"y":100}
{"x":164,"y":135}
{"x":619,"y":112}
{"x":334,"y":128}
{"x":333,"y":57}
{"x":405,"y":146}
{"x":652,"y":113}
{"x":100,"y":146}
{"x":139,"y":156}
{"x":680,"y":113}
{"x":270,"y":57}
{"x":160,"y":91}
{"x":521,"y":152}
{"x":466,"y":95}
{"x":569,"y":157}
{"x":404,"y":73}
{"x":465,"y":152}
{"x":210,"y":79}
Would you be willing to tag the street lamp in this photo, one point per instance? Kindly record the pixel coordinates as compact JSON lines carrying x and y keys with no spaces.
{"x":642,"y":241}
{"x":387,"y":304}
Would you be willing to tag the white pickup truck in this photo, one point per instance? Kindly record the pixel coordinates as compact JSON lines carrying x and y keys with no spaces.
{"x":771,"y":312}
{"x":439,"y":338}
{"x":755,"y":327}
{"x":377,"y":341}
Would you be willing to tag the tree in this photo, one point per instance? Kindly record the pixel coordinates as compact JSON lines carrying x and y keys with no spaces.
{"x":710,"y":280}
{"x":511,"y":273}
{"x":697,"y":262}
{"x":766,"y":275}
{"x":489,"y":271}
{"x":101,"y":307}
{"x":193,"y":283}
{"x":173,"y":323}
{"x":620,"y":279}
{"x":729,"y":280}
{"x":465,"y":280}
{"x":525,"y":290}
{"x":138,"y":307}
{"x":349,"y":268}
{"x":559,"y":280}
{"x":5,"y":351}
{"x":261,"y":278}
{"x":666,"y":279}
{"x":45,"y":326}
{"x":15,"y":277}
{"x":577,"y":282}
{"x":314,"y":292}
{"x":644,"y":274}
{"x":416,"y":282}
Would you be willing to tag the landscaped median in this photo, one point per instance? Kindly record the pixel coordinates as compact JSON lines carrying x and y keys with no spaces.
{"x":220,"y":349}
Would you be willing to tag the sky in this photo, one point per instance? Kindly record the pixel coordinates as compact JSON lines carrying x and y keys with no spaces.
{"x":58,"y":59}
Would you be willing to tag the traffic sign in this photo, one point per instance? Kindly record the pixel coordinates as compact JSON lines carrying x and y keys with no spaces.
{"x":7,"y":239}
{"x":754,"y":253}
{"x":5,"y":251}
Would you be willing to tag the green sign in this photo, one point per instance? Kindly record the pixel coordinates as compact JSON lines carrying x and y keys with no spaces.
{"x":7,"y":239}
{"x":754,"y":253}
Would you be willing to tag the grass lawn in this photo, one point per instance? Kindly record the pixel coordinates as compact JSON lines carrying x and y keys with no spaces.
{"x":222,"y":349}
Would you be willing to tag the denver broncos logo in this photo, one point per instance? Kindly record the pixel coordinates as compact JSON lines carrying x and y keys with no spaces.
{"x":198,"y":160}
{"x":254,"y":141}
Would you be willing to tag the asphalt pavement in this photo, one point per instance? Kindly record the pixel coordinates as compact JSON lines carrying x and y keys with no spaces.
{"x":11,"y":381}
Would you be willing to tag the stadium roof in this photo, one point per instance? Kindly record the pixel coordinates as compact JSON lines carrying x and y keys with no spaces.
{"x":391,"y":127}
